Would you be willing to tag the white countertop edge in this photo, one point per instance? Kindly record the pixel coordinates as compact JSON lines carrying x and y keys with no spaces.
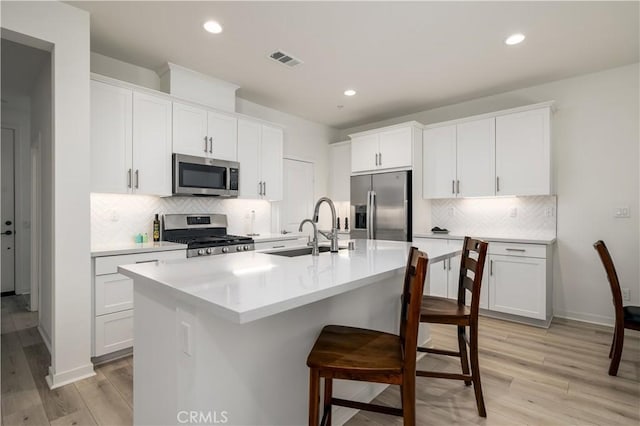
{"x":523,"y":240}
{"x":135,"y":248}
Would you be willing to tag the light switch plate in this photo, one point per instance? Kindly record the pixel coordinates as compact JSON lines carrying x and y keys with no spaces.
{"x":626,"y":294}
{"x":621,"y":212}
{"x":513,"y":211}
{"x":185,"y":334}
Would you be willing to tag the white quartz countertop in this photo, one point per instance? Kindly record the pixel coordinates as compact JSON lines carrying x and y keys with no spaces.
{"x":265,"y":238}
{"x":501,"y":239}
{"x":244,"y":287}
{"x":133,"y":248}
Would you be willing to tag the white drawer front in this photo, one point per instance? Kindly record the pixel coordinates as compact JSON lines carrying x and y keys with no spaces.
{"x":280,"y":244}
{"x":113,"y":332}
{"x":109,"y":264}
{"x":114,"y":293}
{"x":514,"y":249}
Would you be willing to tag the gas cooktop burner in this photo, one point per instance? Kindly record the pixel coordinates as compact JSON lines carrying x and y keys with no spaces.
{"x":203,"y":234}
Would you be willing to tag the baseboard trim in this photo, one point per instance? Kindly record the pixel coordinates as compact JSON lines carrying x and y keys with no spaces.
{"x":590,"y":318}
{"x":45,"y":338}
{"x":341,"y":415}
{"x":57,"y":380}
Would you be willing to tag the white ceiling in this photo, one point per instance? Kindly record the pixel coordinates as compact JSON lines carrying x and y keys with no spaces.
{"x":401,"y":57}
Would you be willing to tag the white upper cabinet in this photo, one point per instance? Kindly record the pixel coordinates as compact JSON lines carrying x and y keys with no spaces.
{"x":439,"y":162}
{"x":505,"y":153}
{"x":260,"y":153}
{"x":523,"y":153}
{"x":384,"y":149}
{"x":130,"y":141}
{"x":203,"y":133}
{"x":111,"y":138}
{"x":475,"y":160}
{"x":151,"y":144}
{"x":340,"y":171}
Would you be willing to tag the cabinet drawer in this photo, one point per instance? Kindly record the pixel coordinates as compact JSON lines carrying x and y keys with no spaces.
{"x":113,"y":332}
{"x":114,"y":293}
{"x":280,"y":244}
{"x":513,"y":249}
{"x":109,"y":264}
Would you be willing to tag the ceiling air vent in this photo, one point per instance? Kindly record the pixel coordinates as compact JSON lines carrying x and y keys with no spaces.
{"x":285,"y":58}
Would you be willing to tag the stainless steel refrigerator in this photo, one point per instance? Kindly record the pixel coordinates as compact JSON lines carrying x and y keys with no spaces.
{"x":381,"y":206}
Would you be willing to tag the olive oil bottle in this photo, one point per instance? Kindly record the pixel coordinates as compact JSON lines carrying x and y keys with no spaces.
{"x":156,"y":228}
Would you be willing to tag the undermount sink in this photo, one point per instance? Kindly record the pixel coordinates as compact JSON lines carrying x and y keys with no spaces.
{"x":299,"y":251}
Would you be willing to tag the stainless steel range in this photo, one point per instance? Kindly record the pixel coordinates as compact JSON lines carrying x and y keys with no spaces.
{"x":204,"y":234}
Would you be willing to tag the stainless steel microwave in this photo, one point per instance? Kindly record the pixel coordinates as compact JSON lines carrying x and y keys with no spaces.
{"x":204,"y":176}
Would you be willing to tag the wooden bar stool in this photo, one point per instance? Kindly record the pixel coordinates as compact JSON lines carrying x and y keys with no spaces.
{"x":626,"y":316}
{"x":440,"y":310}
{"x":350,"y":353}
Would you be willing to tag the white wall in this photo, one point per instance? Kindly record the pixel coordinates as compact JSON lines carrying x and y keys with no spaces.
{"x":42,"y":131}
{"x":16,"y":114}
{"x":66,"y":29}
{"x":596,"y":148}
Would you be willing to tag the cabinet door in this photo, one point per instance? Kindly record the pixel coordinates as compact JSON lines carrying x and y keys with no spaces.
{"x":223,"y":131}
{"x":248,"y":152}
{"x":151,"y":145}
{"x":340,"y":171}
{"x":111,"y":138}
{"x":454,"y":276}
{"x":190,"y":130}
{"x":113,"y":332}
{"x":476,"y":158}
{"x":439,"y":162}
{"x":523,"y":157}
{"x":438,"y":279}
{"x":271,"y":162}
{"x":517,"y":285}
{"x":364,"y":150}
{"x":396,"y":148}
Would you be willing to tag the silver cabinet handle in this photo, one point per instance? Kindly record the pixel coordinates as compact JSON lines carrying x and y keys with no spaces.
{"x":259,"y":188}
{"x":380,"y":154}
{"x":457,"y":187}
{"x":278,"y":246}
{"x":491,"y":267}
{"x":129,"y":178}
{"x":512,"y":249}
{"x":210,"y":145}
{"x":147,"y":261}
{"x":376,"y":158}
{"x":444,"y":264}
{"x":449,"y":263}
{"x":137,"y":178}
{"x":264,"y":188}
{"x":453,"y":186}
{"x":497,"y":183}
{"x":206,"y":145}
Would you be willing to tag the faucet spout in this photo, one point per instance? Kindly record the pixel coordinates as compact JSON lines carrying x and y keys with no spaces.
{"x":333,"y":235}
{"x":315,"y":251}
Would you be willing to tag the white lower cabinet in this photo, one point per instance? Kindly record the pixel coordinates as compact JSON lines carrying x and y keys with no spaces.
{"x":277,"y":244}
{"x":113,"y":299}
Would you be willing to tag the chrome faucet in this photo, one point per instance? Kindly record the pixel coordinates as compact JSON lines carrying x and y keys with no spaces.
{"x":333,"y":234}
{"x":315,"y":251}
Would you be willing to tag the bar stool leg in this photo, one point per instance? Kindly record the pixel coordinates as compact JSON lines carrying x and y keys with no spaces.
{"x":314,"y":396}
{"x":475,"y":368}
{"x":328,"y":392}
{"x":462,"y":347}
{"x":408,"y":392}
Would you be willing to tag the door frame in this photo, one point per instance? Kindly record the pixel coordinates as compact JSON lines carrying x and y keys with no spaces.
{"x":15,"y":144}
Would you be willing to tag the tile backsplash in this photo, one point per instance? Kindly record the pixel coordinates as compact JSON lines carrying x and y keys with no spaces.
{"x":117,"y":218}
{"x":526,"y":217}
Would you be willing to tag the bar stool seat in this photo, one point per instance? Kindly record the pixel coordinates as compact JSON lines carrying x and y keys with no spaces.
{"x":444,"y":311}
{"x":347,"y":351}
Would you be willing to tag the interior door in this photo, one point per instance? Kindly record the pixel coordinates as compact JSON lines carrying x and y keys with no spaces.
{"x":297,"y":203}
{"x":8,"y":202}
{"x":358,"y":215}
{"x":391,"y":206}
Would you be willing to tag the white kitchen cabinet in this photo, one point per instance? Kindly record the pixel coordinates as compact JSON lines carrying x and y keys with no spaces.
{"x":130,"y":141}
{"x":151,"y":166}
{"x":438,"y":279}
{"x":203,"y":133}
{"x":340,"y":171}
{"x":384,"y":149}
{"x":520,"y":280}
{"x":278,"y":244}
{"x":523,"y":153}
{"x":112,"y":307}
{"x":459,"y":160}
{"x":111,"y":138}
{"x":260,"y":153}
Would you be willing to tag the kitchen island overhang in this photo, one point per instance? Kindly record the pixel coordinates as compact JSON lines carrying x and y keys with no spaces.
{"x":230,"y":334}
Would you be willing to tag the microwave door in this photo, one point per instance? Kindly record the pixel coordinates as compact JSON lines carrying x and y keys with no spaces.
{"x":194,"y":178}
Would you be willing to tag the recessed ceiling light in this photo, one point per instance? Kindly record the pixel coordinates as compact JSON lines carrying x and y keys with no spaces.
{"x":349,"y":92}
{"x":213,"y":27}
{"x":514,"y":39}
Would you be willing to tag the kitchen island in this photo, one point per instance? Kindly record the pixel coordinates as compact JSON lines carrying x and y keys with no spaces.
{"x":224,"y":339}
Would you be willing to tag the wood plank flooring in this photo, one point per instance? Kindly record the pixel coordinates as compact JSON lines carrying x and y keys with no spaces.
{"x":530,"y":376}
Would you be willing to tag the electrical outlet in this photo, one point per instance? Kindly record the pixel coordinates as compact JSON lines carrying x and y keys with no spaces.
{"x":621,"y":212}
{"x":513,"y":212}
{"x":450,"y":212}
{"x":114,"y":216}
{"x":548,"y":211}
{"x":626,"y":294}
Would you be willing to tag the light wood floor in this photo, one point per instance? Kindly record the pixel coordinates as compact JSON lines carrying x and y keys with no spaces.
{"x":530,"y":376}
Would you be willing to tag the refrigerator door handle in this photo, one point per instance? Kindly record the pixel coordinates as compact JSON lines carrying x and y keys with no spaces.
{"x":373,"y":215}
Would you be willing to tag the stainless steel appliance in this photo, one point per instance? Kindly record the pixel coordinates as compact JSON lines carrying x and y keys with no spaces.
{"x":204,"y":234}
{"x":205,"y":176}
{"x":381,"y":206}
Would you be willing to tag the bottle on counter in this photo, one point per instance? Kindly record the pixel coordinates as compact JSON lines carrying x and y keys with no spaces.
{"x":145,"y":238}
{"x":156,"y":229}
{"x":338,"y":223}
{"x":346,"y":223}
